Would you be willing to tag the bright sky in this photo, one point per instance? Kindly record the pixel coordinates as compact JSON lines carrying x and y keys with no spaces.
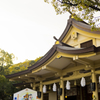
{"x":27,"y":27}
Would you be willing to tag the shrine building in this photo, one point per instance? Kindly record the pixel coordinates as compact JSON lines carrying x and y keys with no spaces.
{"x":74,"y":56}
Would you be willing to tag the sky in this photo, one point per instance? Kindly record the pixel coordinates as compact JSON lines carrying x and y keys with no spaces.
{"x":27,"y":28}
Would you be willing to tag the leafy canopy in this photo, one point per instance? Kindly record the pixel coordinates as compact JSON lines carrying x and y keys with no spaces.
{"x":6,"y":60}
{"x":79,"y":9}
{"x":20,"y":66}
{"x":7,"y":67}
{"x":6,"y":87}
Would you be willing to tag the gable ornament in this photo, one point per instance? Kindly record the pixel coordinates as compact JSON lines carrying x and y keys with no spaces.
{"x":74,"y":35}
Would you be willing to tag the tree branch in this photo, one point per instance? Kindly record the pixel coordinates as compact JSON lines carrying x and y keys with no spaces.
{"x":93,"y":7}
{"x":1,"y":68}
{"x":71,"y":4}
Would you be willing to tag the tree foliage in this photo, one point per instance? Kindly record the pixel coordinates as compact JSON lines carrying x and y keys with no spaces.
{"x":79,"y":9}
{"x":6,"y":87}
{"x":20,"y":66}
{"x":7,"y":67}
{"x":6,"y":60}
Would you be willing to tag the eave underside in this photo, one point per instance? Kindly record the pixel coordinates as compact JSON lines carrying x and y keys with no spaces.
{"x":70,"y":66}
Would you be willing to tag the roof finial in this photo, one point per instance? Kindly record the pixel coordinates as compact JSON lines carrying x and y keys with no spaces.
{"x":55,"y":38}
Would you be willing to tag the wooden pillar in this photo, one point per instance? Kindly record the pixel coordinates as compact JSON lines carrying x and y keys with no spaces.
{"x":33,"y":86}
{"x":94,"y":80}
{"x":62,"y":86}
{"x":41,"y":90}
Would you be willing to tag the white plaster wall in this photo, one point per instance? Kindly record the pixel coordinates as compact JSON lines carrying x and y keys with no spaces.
{"x":52,"y":96}
{"x":81,"y":37}
{"x":70,"y":41}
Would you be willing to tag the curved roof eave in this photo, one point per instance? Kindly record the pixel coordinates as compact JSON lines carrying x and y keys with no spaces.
{"x":68,"y":26}
{"x":83,"y":26}
{"x":17,"y":74}
{"x":45,"y":58}
{"x":50,"y":53}
{"x":70,"y":50}
{"x":59,"y":48}
{"x":78,"y":24}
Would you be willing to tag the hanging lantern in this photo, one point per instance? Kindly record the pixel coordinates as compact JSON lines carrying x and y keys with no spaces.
{"x":54,"y":87}
{"x":44,"y":89}
{"x":83,"y":83}
{"x":99,"y":79}
{"x":68,"y":85}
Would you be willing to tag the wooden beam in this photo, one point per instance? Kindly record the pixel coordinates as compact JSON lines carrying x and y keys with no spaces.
{"x":97,"y":72}
{"x":36,"y":85}
{"x":80,"y":55}
{"x":67,"y":70}
{"x":83,"y":60}
{"x":64,"y":71}
{"x":34,"y":71}
{"x":53,"y":69}
{"x":30,"y":80}
{"x":51,"y":82}
{"x":74,"y":77}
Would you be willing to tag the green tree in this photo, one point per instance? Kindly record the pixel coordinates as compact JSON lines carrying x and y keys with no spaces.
{"x":6,"y":88}
{"x":6,"y":60}
{"x":7,"y":67}
{"x":20,"y":66}
{"x":2,"y":83}
{"x":79,"y":9}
